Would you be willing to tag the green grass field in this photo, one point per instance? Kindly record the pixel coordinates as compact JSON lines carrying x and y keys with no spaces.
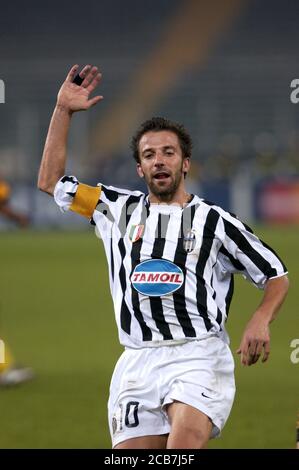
{"x":56,"y":314}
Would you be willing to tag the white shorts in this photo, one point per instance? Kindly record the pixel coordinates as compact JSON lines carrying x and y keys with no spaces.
{"x":199,"y":373}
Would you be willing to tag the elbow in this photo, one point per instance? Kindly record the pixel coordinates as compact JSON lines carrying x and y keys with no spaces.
{"x":285,"y":286}
{"x":40,"y":185}
{"x":281,"y":283}
{"x":286,"y":283}
{"x":45,"y":187}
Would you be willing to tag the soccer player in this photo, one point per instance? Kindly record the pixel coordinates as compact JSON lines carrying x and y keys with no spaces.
{"x":6,"y":210}
{"x":172,"y":257}
{"x":10,"y":373}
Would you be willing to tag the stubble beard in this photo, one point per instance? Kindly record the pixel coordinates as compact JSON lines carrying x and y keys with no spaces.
{"x":165,"y":193}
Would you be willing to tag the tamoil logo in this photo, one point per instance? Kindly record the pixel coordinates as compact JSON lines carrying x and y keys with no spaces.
{"x":157,"y":277}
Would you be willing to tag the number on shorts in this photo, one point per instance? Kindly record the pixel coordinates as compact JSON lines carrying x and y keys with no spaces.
{"x":135,"y":423}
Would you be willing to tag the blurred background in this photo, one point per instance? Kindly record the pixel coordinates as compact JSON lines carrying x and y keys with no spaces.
{"x":223,"y":68}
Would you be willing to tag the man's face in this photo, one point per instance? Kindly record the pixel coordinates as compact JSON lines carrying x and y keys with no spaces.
{"x":161,"y":162}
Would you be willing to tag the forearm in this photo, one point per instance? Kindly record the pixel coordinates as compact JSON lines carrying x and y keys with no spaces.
{"x":71,"y":98}
{"x":54,"y":156}
{"x":275,"y":292}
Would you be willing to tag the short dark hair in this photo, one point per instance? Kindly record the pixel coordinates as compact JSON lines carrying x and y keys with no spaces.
{"x":156,"y":124}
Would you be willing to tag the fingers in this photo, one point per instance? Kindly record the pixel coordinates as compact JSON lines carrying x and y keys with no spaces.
{"x":243,"y":357}
{"x":248,"y":351}
{"x":259,"y":347}
{"x":266,"y":351}
{"x":88,"y":76}
{"x":251,"y":352}
{"x":258,"y":352}
{"x":252,"y":348}
{"x":243,"y":350}
{"x":94,"y":101}
{"x":94,"y":83}
{"x":72,"y":73}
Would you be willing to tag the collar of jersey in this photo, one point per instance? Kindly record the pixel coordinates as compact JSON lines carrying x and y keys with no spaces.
{"x":168,"y":208}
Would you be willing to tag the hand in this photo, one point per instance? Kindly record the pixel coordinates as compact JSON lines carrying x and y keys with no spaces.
{"x":255,"y":340}
{"x":72,"y":97}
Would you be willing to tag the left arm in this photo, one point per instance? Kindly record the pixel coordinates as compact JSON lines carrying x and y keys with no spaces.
{"x":256,"y":337}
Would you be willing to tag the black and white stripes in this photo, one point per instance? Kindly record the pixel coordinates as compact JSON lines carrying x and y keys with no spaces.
{"x":199,"y":306}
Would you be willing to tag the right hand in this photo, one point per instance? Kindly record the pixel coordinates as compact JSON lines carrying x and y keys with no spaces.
{"x":72,"y":97}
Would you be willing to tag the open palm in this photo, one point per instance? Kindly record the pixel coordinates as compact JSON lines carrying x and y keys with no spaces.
{"x":76,"y":98}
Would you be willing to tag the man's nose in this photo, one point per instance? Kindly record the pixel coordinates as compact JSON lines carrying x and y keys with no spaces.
{"x":159,"y":159}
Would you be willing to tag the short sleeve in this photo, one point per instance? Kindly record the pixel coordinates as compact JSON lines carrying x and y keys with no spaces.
{"x":245,"y":253}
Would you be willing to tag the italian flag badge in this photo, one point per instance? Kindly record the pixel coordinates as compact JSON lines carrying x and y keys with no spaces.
{"x":136,"y":232}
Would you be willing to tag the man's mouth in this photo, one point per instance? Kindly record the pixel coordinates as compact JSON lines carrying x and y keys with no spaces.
{"x":161,"y":175}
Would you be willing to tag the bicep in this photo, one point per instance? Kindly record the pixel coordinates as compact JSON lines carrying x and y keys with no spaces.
{"x":85,"y":200}
{"x":69,"y":194}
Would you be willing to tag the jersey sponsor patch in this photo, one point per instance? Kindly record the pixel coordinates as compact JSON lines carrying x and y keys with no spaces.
{"x":157,"y":277}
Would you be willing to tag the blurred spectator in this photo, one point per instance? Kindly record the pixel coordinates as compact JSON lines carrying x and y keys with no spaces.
{"x":10,"y":373}
{"x":6,"y":210}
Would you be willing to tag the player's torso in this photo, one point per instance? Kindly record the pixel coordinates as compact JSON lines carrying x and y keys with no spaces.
{"x":161,"y":266}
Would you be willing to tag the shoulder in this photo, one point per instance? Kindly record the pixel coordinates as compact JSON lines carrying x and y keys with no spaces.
{"x":226,"y":216}
{"x":112,"y":193}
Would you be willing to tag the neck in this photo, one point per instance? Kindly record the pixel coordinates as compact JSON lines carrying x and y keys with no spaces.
{"x":182,"y":198}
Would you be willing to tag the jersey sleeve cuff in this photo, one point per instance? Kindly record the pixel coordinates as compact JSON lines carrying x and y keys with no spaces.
{"x":278,"y":275}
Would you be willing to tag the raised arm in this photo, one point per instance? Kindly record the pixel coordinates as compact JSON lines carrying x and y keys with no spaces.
{"x":71,"y":98}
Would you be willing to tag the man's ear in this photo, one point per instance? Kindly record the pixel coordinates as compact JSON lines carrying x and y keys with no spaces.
{"x":186,"y":166}
{"x":139,"y":170}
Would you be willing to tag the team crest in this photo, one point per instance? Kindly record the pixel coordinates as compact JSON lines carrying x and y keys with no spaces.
{"x":136,"y":232}
{"x":189,"y":242}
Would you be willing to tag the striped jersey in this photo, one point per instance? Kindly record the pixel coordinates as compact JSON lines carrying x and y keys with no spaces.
{"x":171,"y":269}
